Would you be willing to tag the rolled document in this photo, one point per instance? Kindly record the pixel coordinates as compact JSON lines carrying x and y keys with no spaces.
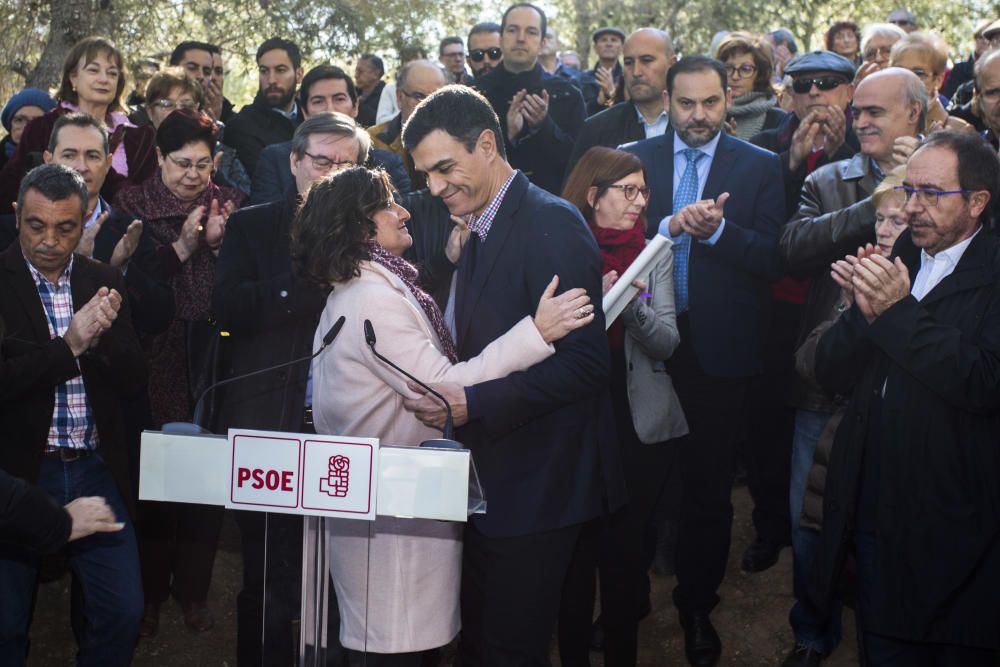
{"x":622,"y":292}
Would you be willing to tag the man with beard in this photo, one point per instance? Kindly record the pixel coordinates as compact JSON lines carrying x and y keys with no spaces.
{"x":484,"y":52}
{"x":912,"y":488}
{"x":725,"y":204}
{"x":834,"y":217}
{"x":273,"y":115}
{"x":202,"y":62}
{"x":649,"y":53}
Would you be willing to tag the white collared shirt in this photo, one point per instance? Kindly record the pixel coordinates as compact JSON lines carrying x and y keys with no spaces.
{"x":657,"y":128}
{"x":704,"y":166}
{"x":935,"y":268}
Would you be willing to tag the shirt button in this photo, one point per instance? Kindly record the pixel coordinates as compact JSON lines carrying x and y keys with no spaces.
{"x":284,"y":294}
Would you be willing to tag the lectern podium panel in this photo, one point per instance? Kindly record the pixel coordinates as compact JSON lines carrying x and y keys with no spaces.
{"x":322,"y":477}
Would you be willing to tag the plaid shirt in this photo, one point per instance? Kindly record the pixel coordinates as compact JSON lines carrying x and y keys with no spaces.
{"x":481,"y":225}
{"x":73,"y":425}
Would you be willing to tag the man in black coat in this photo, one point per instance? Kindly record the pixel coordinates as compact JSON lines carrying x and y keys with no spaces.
{"x":274,"y":114}
{"x":69,"y":360}
{"x":914,"y":474}
{"x":602,"y":86}
{"x":540,"y":114}
{"x":649,"y":53}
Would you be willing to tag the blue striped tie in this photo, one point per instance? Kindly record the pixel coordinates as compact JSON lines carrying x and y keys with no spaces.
{"x":687,"y":193}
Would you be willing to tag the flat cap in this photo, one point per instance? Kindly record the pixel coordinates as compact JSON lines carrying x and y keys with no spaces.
{"x":821,"y":61}
{"x":608,"y":30}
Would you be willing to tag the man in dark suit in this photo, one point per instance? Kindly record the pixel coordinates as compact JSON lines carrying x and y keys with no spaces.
{"x":649,"y":53}
{"x":69,"y":359}
{"x":727,"y":203}
{"x":274,"y":114}
{"x":540,"y":114}
{"x":536,"y":435}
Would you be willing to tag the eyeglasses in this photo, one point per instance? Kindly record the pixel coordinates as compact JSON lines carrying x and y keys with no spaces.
{"x":176,"y":104}
{"x":744,"y":71}
{"x":323,"y":162}
{"x":927,"y":198}
{"x":630,"y":191}
{"x":202,"y":167}
{"x":874,"y":52}
{"x":416,"y":97}
{"x":477,"y":55}
{"x":828,"y":82}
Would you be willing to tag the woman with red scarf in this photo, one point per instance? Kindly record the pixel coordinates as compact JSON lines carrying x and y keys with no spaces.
{"x":609,"y":187}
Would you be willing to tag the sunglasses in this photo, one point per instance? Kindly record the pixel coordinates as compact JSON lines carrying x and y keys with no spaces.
{"x":477,"y":55}
{"x":803,"y":86}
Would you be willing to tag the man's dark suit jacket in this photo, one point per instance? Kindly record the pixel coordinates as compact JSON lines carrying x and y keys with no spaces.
{"x":728,"y":280}
{"x":541,"y":153}
{"x":30,"y":517}
{"x":273,"y":176}
{"x":257,"y":125}
{"x":269,"y":315}
{"x":610,"y":128}
{"x":541,"y":449}
{"x":32,"y":364}
{"x":151,"y":299}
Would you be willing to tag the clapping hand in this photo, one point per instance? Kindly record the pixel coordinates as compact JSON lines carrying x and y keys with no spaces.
{"x":700,"y":219}
{"x":878,"y":284}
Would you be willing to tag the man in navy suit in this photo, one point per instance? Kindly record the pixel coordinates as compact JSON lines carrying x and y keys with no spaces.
{"x":538,"y":436}
{"x":727,"y":202}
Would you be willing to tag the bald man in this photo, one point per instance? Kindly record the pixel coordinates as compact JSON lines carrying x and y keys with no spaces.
{"x":647,"y":55}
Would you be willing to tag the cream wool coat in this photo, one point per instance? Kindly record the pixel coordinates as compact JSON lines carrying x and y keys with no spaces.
{"x":415,"y":565}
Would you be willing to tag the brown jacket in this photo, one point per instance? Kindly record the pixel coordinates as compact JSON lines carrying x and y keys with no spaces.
{"x":389,"y":137}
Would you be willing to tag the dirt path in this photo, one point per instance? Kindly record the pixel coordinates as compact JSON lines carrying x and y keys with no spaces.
{"x":752,"y":617}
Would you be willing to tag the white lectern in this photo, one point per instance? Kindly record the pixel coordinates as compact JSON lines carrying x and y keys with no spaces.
{"x":318,"y":476}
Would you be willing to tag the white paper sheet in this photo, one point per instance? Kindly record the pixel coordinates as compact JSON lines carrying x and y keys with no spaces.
{"x":622,"y":292}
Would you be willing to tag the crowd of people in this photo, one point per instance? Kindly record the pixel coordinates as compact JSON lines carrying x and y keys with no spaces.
{"x":822,"y":321}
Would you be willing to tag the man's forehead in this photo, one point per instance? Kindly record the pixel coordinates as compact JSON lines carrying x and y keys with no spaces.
{"x":484,"y":40}
{"x":524,"y":17}
{"x":698,"y":85}
{"x":274,"y":57}
{"x":328,"y":87}
{"x":79,"y":138}
{"x":198,"y":55}
{"x":37,"y":206}
{"x":438,"y":146}
{"x":333,"y":145}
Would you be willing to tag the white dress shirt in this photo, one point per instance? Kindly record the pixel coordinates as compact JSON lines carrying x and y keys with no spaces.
{"x":935,"y":268}
{"x":704,"y":166}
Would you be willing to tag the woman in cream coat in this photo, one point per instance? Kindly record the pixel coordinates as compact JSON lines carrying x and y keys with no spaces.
{"x":350,"y":233}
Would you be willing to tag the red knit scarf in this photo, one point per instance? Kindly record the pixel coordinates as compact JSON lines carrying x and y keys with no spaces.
{"x":619,"y":248}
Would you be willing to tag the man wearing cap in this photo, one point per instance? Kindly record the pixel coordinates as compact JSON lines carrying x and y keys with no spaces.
{"x":904,"y":18}
{"x":20,"y":110}
{"x":818,"y":130}
{"x":602,"y":86}
{"x":648,"y":55}
{"x":815,"y":133}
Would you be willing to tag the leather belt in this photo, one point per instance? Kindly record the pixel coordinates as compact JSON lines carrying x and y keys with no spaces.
{"x":68,"y":455}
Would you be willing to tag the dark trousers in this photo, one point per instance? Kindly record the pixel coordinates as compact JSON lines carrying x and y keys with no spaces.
{"x":617,"y":546}
{"x":770,"y":427}
{"x":714,"y":407}
{"x":268,"y":605}
{"x":431,"y":658}
{"x":105,"y":567}
{"x":177,"y":543}
{"x":510,"y":595}
{"x":883,"y":651}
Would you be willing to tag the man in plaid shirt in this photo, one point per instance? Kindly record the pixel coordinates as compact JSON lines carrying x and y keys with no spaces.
{"x":68,"y":358}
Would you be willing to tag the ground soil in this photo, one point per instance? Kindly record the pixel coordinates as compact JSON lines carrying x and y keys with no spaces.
{"x":752,"y":617}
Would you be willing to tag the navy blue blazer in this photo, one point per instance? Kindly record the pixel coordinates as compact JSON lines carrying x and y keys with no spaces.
{"x":541,"y":438}
{"x":727,"y":281}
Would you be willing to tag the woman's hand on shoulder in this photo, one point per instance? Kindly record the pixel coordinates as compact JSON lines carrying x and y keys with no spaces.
{"x":557,"y":316}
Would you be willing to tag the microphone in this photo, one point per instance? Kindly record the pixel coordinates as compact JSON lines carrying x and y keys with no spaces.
{"x":195,"y":427}
{"x":448,"y":442}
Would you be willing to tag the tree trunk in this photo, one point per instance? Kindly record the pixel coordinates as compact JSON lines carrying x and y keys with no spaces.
{"x":70,"y":21}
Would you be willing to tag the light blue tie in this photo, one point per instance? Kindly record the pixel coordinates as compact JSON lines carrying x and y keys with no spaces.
{"x":687,"y":193}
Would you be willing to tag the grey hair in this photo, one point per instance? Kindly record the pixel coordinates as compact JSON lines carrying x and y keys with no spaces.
{"x":404,"y":71}
{"x":874,"y":30}
{"x":330,"y":122}
{"x":55,"y":182}
{"x":981,"y":64}
{"x":916,"y":93}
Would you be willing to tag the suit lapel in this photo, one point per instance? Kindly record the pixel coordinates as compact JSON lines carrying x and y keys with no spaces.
{"x":633,"y":129}
{"x":722,"y":164}
{"x":26,"y":291}
{"x":663,"y":190}
{"x":82,"y":285}
{"x":468,"y":293}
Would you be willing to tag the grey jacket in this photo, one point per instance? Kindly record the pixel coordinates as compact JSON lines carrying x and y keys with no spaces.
{"x":651,"y":337}
{"x":835,"y":216}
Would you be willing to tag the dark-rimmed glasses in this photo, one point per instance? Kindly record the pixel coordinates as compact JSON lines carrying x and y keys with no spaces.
{"x":630,"y":191}
{"x":926,"y":197}
{"x":323,"y":162}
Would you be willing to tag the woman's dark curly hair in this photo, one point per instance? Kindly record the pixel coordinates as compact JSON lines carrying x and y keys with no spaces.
{"x":333,"y":229}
